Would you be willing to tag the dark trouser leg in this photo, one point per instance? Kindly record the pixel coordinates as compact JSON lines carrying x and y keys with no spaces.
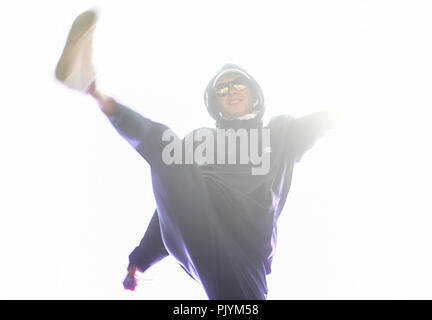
{"x":189,"y":221}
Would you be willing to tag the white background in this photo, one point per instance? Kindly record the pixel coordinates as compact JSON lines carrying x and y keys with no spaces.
{"x":76,"y":198}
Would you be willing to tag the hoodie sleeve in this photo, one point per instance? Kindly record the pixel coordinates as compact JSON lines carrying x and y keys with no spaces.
{"x":151,"y":248}
{"x":305,"y":131}
{"x":298,"y":135}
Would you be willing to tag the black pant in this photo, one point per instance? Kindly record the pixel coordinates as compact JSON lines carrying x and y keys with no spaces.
{"x":190,"y":228}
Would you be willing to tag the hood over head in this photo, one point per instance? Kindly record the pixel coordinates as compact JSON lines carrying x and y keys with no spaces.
{"x":213,"y":106}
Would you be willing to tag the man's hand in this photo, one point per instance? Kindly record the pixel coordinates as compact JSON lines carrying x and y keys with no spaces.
{"x":130,"y":281}
{"x":334,"y":117}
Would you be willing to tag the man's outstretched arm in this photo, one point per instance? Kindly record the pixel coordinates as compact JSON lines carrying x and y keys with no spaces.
{"x":150,"y":251}
{"x":305,"y":131}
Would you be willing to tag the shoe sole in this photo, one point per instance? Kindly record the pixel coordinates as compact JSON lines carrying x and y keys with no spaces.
{"x":81,"y":26}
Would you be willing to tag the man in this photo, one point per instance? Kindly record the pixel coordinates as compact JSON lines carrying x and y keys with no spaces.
{"x":216,"y":218}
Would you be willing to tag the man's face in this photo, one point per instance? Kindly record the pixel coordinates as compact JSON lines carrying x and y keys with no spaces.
{"x":234,"y":95}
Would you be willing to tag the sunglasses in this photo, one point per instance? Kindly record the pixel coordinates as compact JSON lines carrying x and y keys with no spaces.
{"x":223,"y":89}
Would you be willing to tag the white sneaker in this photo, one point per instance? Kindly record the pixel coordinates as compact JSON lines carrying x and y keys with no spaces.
{"x":75,"y":68}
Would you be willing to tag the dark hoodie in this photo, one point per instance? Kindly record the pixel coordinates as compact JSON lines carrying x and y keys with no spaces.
{"x":248,"y":205}
{"x":213,"y":107}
